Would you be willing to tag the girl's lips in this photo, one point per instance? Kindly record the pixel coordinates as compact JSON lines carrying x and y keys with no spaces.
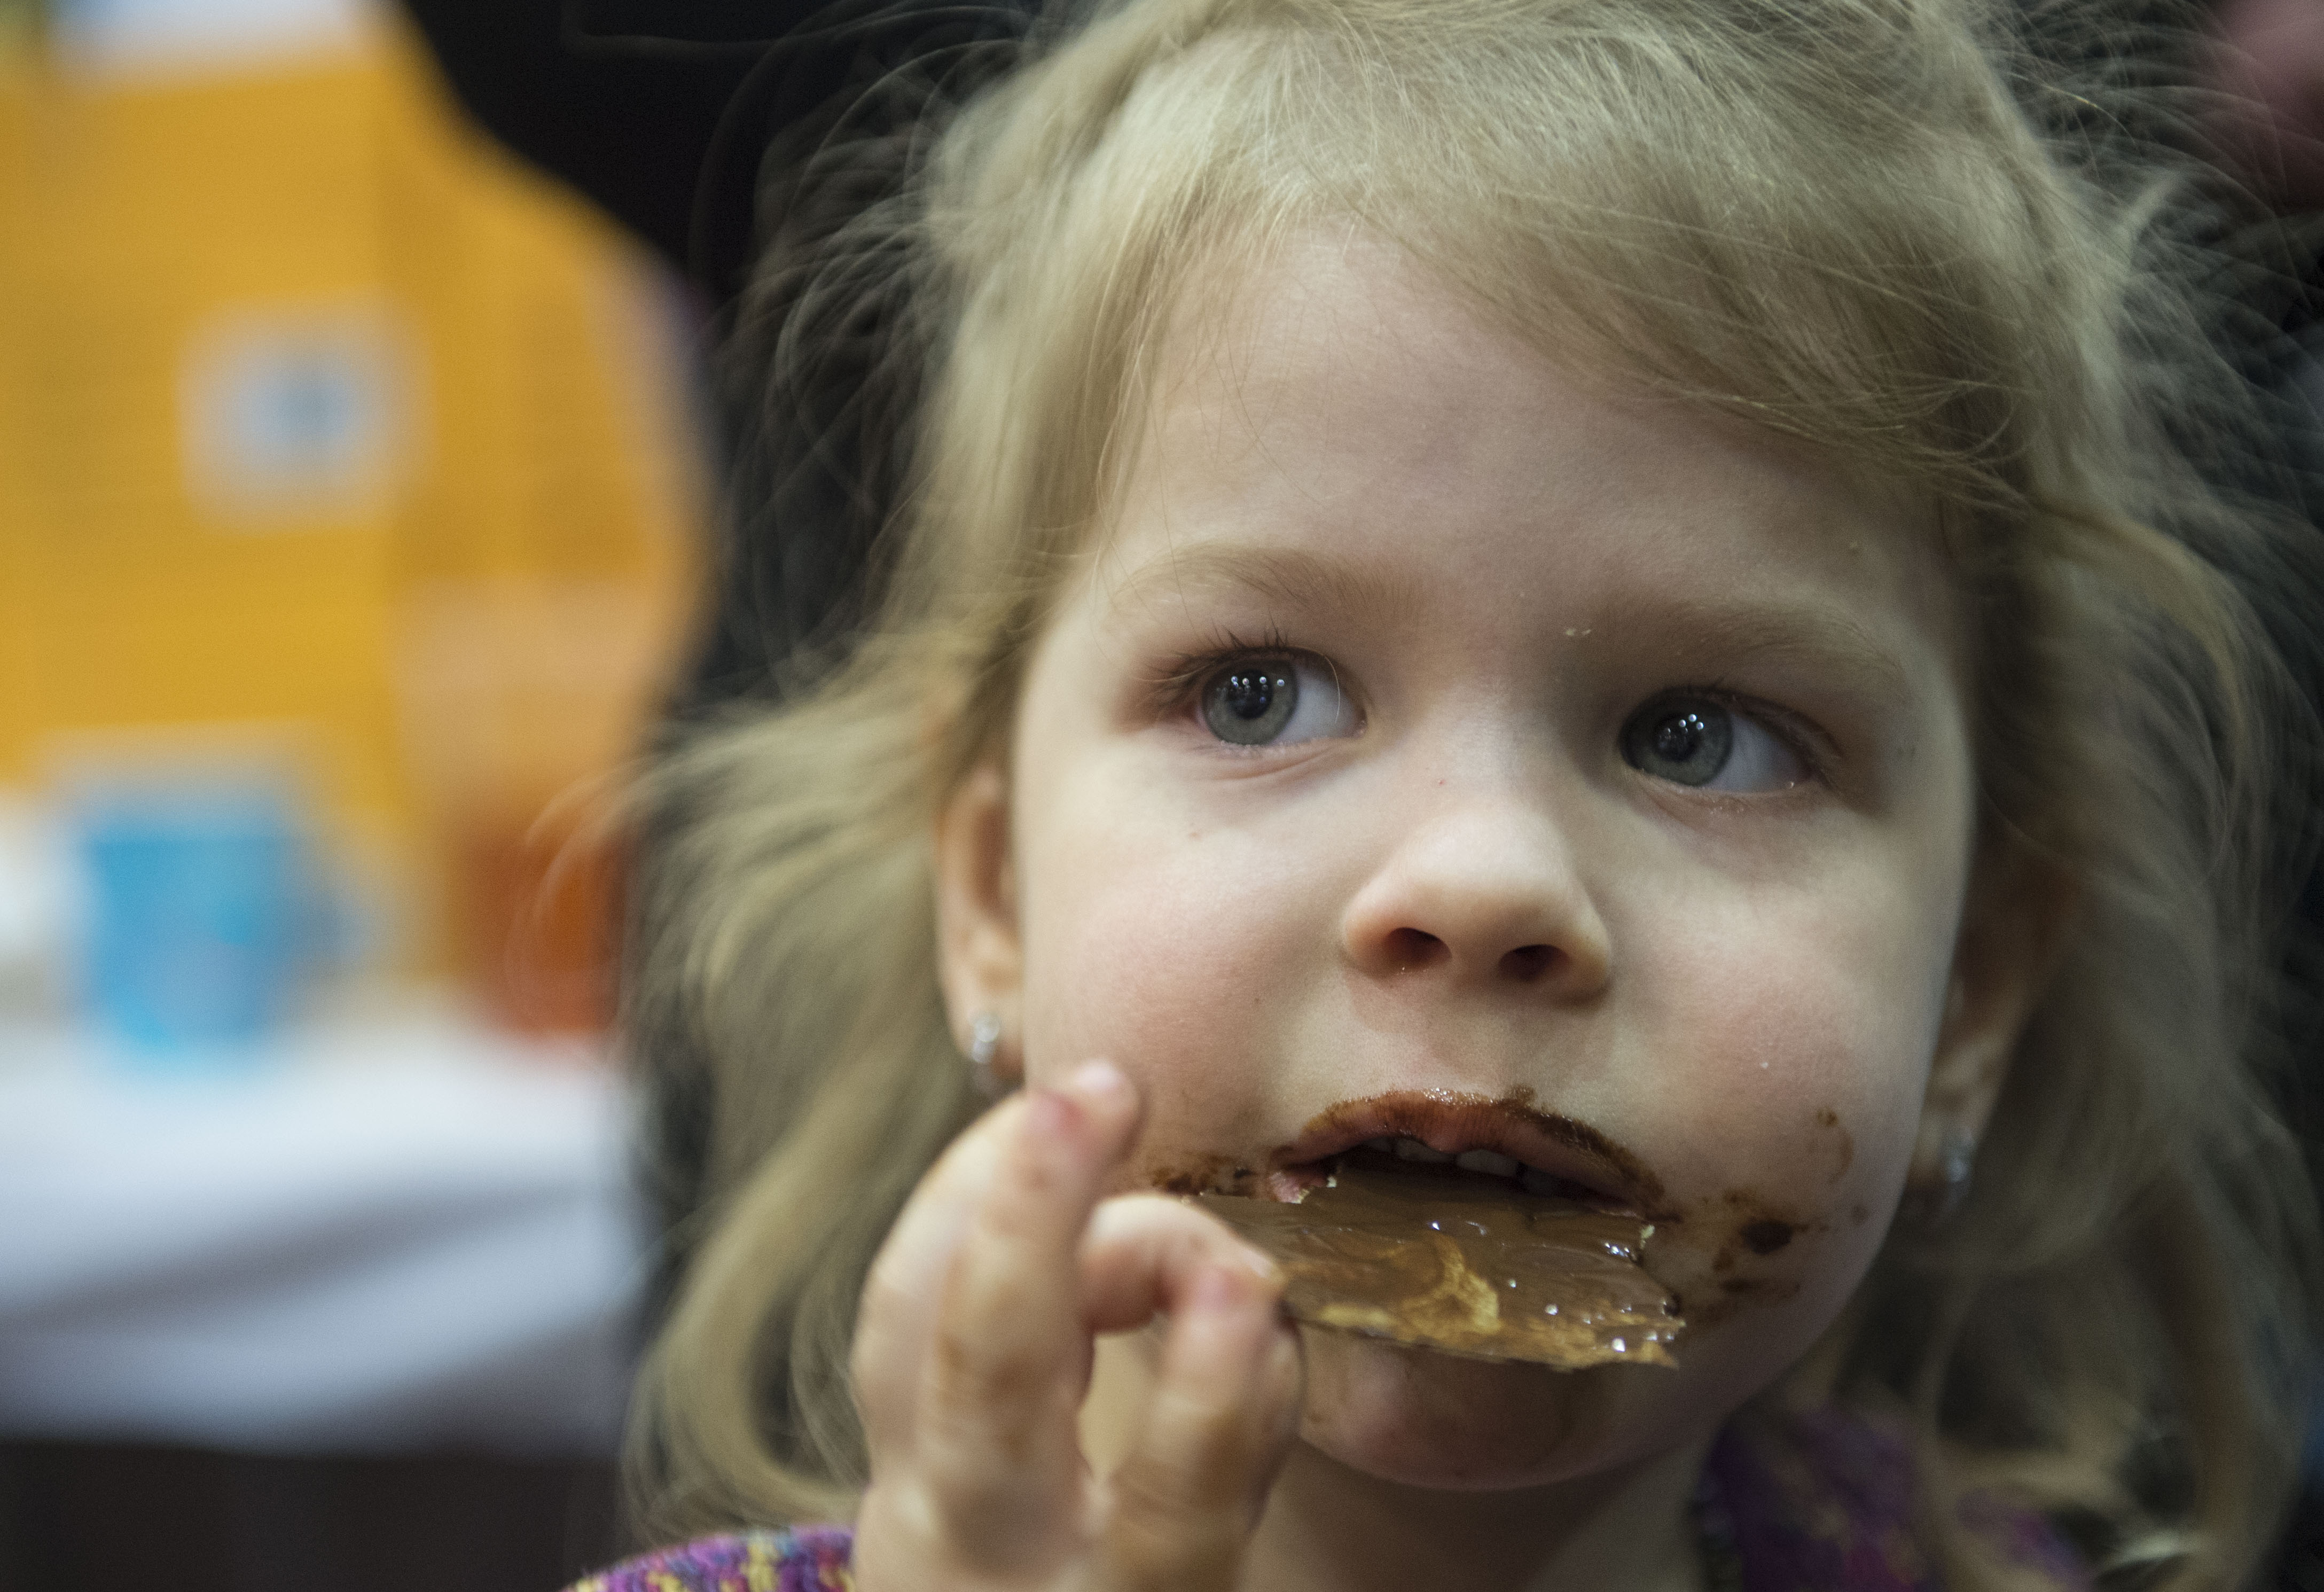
{"x":1451,"y":1122}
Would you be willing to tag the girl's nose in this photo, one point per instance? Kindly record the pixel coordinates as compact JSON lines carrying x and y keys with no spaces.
{"x":1486,"y":896}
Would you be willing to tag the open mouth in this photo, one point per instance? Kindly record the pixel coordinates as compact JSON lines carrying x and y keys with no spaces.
{"x":1500,"y":1144}
{"x":1383,"y":1153}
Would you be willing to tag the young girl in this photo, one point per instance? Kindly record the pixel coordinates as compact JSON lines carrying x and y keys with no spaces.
{"x":1592,"y":586}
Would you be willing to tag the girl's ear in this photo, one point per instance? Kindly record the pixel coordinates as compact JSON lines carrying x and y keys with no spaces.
{"x":2014,"y":931}
{"x":979,"y":959}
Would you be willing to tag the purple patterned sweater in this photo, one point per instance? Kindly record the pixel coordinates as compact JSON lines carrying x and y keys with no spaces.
{"x":1821,"y":1503}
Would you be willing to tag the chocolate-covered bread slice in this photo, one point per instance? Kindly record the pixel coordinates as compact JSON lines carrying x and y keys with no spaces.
{"x":1462,"y":1264}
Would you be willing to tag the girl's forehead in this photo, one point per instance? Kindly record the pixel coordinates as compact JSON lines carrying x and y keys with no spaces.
{"x":1330,"y":322}
{"x":1334,"y":388}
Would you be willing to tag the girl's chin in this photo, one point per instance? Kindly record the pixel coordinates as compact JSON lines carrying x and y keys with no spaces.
{"x":1433,"y":1420}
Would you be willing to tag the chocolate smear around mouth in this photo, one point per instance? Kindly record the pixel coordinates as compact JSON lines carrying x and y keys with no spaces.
{"x":1464,"y":1264}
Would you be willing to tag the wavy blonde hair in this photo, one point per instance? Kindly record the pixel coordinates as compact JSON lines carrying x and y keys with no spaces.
{"x":1838,"y":220}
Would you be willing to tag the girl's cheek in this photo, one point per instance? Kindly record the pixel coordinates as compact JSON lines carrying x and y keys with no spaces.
{"x":1803,"y":1114}
{"x":1177,"y":956}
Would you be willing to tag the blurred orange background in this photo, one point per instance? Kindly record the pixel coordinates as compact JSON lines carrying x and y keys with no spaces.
{"x":330,"y":434}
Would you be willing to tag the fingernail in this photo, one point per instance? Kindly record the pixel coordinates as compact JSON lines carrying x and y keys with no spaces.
{"x":1218,"y":1288}
{"x":1099,"y":1083}
{"x":1260,"y":1266}
{"x":1047,"y":1114}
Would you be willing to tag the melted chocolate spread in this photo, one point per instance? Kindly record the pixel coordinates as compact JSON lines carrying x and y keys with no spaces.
{"x":1463,"y":1265}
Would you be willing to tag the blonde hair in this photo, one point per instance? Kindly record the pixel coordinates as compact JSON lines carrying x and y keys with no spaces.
{"x":1830,"y":218}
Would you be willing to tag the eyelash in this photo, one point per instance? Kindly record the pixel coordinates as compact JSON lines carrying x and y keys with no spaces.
{"x":1187,"y":671}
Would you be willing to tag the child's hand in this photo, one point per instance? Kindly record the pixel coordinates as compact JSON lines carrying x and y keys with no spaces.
{"x":973,"y":1352}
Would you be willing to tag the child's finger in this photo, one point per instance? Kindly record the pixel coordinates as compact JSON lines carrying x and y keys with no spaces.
{"x":904,"y":1290}
{"x":1223,"y":1415}
{"x":995,"y":1438}
{"x":1143,"y":1250}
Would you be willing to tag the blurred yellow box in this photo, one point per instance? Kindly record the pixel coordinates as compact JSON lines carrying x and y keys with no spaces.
{"x":289,"y":356}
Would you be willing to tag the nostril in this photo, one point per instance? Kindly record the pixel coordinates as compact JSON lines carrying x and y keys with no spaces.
{"x":1528,"y":962}
{"x":1411,"y":949}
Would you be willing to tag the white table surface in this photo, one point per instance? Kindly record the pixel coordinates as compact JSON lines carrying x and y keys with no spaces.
{"x":397,"y":1232}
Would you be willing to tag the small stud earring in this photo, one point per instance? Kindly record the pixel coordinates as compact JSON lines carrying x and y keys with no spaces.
{"x":1956,"y":1159}
{"x":983,"y":1046}
{"x":1929,"y":1206}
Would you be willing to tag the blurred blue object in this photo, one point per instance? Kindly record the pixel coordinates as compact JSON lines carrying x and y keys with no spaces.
{"x":201,"y":913}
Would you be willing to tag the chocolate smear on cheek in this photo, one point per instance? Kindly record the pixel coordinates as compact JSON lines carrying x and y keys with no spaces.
{"x":1462,"y":1264}
{"x":1751,"y":1235}
{"x":1745,"y":1232}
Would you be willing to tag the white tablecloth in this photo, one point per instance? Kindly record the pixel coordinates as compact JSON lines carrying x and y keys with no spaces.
{"x":397,"y":1233}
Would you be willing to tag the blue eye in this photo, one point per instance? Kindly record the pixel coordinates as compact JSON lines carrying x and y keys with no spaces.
{"x":1274,"y":701}
{"x":1696,"y":742}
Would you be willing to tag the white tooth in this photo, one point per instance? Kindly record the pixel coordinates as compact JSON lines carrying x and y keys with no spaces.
{"x":1486,"y":1160}
{"x":1384,"y":1146}
{"x":1536,"y":1182}
{"x":1414,"y":1150}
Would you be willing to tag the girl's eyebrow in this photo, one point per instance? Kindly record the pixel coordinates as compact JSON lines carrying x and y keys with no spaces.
{"x":1291,"y":577}
{"x":1817,"y":634}
{"x":1825,"y":638}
